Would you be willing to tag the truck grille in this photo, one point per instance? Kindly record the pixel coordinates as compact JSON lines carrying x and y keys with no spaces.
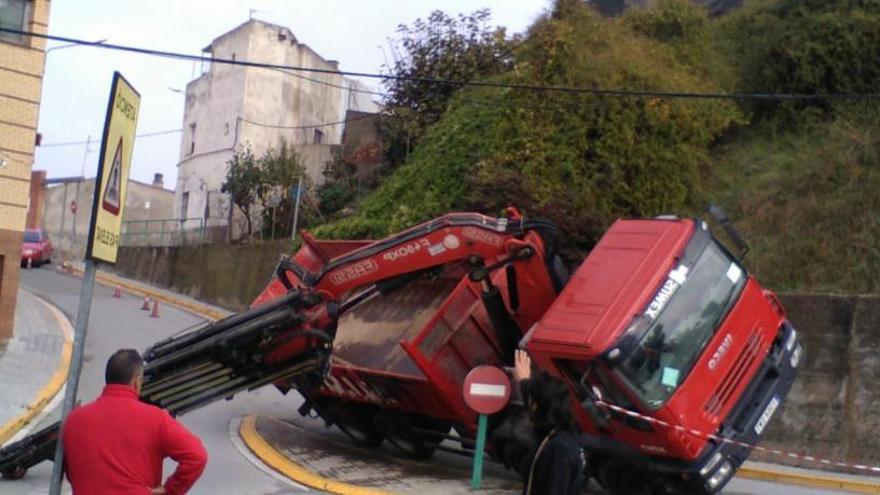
{"x":718,"y":401}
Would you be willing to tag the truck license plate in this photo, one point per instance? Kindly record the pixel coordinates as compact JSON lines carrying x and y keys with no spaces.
{"x":766,"y":415}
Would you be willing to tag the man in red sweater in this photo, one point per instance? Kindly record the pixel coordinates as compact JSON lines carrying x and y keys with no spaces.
{"x":116,"y":444}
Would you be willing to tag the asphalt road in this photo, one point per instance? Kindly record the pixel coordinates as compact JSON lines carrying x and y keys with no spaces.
{"x":119,"y":323}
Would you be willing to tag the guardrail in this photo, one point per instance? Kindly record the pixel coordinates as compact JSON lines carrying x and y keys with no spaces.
{"x":163,"y":232}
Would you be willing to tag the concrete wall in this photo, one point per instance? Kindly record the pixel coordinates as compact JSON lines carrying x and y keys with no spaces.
{"x":68,"y":232}
{"x":833,"y":410}
{"x":21,"y":78}
{"x":227,"y":275}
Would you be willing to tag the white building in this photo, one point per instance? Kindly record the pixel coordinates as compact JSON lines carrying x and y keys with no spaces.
{"x":233,"y":106}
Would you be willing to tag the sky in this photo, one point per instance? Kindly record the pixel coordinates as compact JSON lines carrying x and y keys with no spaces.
{"x":77,"y":79}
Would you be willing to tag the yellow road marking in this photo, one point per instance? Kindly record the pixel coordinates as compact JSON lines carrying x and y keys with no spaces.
{"x":281,"y":463}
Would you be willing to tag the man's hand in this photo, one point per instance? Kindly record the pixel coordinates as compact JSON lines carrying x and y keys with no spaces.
{"x":522,"y":366}
{"x":159,"y":490}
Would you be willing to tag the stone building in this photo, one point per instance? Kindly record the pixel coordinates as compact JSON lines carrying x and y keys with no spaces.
{"x":230,"y":107}
{"x":21,"y":77}
{"x":147,"y":219}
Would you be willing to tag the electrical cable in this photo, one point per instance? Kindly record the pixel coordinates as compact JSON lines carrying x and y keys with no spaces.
{"x":485,"y":84}
{"x":76,"y":143}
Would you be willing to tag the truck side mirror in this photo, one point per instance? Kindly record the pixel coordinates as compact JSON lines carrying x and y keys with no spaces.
{"x":591,"y":404}
{"x":730,"y":229}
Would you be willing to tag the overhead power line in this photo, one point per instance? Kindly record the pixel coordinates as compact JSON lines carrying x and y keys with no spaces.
{"x":485,"y":84}
{"x":77,"y":143}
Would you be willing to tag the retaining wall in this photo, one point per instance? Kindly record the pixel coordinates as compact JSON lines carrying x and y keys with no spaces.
{"x":833,"y":410}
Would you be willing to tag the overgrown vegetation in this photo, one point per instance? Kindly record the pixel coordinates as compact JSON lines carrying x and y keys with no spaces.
{"x":268,"y":186}
{"x":799,"y":177}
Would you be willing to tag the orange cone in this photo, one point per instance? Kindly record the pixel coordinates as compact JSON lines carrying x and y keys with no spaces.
{"x":117,"y":292}
{"x":146,"y":305}
{"x":155,"y":313}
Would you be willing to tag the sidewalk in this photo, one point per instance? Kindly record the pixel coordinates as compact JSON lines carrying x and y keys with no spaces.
{"x":305,"y":451}
{"x":34,"y":366}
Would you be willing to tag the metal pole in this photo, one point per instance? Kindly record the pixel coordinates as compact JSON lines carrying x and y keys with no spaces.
{"x":296,"y":206}
{"x":63,"y":215}
{"x":79,"y":341}
{"x":477,"y":475}
{"x":76,"y":196}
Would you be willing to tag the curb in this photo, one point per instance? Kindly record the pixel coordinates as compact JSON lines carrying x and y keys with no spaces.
{"x":45,"y":395}
{"x":809,"y":480}
{"x":278,"y":461}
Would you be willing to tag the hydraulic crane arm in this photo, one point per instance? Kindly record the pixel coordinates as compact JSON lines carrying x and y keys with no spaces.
{"x":287,"y":335}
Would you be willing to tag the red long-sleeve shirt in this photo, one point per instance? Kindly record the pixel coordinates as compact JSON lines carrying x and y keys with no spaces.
{"x":116,"y":444}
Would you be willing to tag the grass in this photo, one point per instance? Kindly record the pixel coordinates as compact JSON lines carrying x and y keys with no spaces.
{"x":808,"y":202}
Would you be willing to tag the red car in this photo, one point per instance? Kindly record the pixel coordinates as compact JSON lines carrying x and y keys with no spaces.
{"x":36,"y":247}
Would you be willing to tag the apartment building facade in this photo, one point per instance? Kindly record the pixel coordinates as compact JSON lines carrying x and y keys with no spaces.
{"x":21,"y":77}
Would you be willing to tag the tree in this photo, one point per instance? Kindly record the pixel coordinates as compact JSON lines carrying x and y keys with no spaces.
{"x":281,"y":170}
{"x":461,"y":48}
{"x":243,"y":180}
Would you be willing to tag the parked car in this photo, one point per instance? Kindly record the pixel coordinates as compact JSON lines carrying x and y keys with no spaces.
{"x":36,"y":247}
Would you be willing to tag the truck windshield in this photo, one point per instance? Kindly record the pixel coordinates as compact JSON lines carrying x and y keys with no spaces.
{"x":31,"y":236}
{"x":667,"y":351}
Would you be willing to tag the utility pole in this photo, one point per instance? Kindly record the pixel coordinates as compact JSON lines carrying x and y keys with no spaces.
{"x":299,"y":185}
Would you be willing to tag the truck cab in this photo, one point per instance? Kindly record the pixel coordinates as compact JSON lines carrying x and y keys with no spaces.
{"x":676,"y":356}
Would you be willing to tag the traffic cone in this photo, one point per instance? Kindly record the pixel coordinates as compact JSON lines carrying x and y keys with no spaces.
{"x":117,"y":292}
{"x":155,"y":313}
{"x":146,"y":305}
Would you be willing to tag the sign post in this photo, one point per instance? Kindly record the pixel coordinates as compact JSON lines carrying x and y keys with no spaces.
{"x":106,"y":222}
{"x":486,"y":391}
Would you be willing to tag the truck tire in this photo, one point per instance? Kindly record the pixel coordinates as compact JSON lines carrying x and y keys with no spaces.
{"x":620,"y":478}
{"x":15,"y":473}
{"x":398,"y":430}
{"x":356,"y":421}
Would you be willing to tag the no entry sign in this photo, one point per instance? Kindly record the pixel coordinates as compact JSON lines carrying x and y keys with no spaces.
{"x":486,"y":389}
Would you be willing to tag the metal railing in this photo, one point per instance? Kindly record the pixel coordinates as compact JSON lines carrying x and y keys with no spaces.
{"x":163,"y":232}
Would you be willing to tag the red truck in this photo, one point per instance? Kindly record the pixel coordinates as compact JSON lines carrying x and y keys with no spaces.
{"x":662,"y":336}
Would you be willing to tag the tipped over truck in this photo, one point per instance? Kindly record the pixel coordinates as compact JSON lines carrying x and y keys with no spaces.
{"x":675,"y":356}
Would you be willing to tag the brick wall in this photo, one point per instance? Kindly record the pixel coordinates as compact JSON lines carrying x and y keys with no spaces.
{"x":21,"y":77}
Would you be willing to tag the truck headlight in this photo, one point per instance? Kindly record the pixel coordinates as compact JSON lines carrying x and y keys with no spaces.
{"x":720,"y":476}
{"x":796,"y":356}
{"x":711,"y":464}
{"x":792,"y":339}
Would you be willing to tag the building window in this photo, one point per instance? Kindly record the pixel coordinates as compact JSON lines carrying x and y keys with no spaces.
{"x":192,"y":138}
{"x":184,"y":204}
{"x":14,"y":14}
{"x":319,"y":137}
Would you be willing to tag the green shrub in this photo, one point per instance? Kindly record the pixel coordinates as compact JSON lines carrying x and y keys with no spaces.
{"x":579,"y":159}
{"x":804,"y":46}
{"x":807,"y":202}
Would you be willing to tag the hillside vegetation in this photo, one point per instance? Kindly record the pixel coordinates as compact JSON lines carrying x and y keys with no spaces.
{"x":800,"y":177}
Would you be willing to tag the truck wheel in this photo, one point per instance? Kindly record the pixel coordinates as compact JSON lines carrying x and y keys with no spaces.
{"x":15,"y":473}
{"x":397,"y":429}
{"x":357,"y":423}
{"x":620,"y":478}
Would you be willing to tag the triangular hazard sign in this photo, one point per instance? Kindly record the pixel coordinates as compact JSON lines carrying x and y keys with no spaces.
{"x":114,"y":182}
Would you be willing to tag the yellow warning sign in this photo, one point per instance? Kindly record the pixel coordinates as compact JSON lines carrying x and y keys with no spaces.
{"x":112,"y":178}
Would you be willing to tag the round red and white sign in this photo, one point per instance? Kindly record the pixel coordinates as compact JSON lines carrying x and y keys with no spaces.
{"x":486,"y":389}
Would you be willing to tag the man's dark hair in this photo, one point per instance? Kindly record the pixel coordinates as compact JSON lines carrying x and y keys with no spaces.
{"x":549,"y":404}
{"x":123,"y":366}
